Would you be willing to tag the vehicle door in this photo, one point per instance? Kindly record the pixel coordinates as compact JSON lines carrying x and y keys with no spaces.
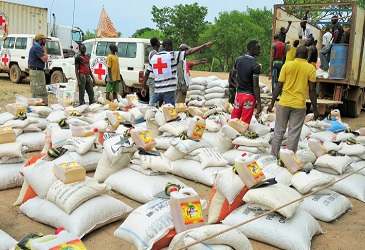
{"x":131,"y":62}
{"x":20,"y":52}
{"x":54,"y":51}
{"x":98,"y":61}
{"x":7,"y":53}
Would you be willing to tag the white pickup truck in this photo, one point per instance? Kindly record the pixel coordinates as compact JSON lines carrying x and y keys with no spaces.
{"x":133,"y":59}
{"x":14,"y":55}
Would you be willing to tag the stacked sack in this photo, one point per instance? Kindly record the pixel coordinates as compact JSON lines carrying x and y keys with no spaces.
{"x":138,"y":150}
{"x":207,"y":91}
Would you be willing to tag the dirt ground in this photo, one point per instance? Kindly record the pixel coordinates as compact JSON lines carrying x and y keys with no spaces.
{"x":345,"y":233}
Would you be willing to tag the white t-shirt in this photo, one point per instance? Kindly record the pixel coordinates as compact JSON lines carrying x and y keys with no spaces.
{"x":326,"y":39}
{"x":164,"y":67}
{"x":306,"y":33}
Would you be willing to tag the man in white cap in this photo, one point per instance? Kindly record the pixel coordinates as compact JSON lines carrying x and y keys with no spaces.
{"x":36,"y":64}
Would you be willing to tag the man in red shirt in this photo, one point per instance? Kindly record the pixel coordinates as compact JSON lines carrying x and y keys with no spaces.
{"x":85,"y":78}
{"x":278,"y":57}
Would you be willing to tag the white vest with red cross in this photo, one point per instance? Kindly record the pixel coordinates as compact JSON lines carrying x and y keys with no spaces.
{"x":161,"y":66}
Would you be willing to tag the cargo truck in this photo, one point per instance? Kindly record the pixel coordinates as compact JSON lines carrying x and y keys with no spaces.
{"x":345,"y":84}
{"x":25,"y":19}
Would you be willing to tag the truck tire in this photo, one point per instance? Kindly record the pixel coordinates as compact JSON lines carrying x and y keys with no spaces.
{"x":15,"y":74}
{"x":353,"y":104}
{"x":57,"y":76}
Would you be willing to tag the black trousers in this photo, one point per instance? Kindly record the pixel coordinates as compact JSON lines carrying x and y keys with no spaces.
{"x":86,"y":83}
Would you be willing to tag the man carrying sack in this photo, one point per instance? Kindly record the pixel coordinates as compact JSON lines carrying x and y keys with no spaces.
{"x":36,"y":64}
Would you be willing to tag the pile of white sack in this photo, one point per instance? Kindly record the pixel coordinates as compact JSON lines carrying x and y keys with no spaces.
{"x":137,"y":151}
{"x":207,"y":91}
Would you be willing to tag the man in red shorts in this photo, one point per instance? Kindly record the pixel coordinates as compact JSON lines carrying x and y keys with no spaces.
{"x":248,"y":89}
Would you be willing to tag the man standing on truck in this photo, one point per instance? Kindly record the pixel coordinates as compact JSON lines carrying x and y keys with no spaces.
{"x":36,"y":64}
{"x":278,"y":57}
{"x":113,"y":78}
{"x":295,"y":79}
{"x":164,"y":67}
{"x":85,"y":78}
{"x":304,"y":31}
{"x":326,"y":49}
{"x":283,"y":31}
{"x":337,"y":30}
{"x":246,"y":74}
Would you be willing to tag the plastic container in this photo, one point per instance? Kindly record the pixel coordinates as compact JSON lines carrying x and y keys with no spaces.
{"x":62,"y":240}
{"x":16,"y":108}
{"x":338,"y":61}
{"x":132,"y":99}
{"x":249,"y":171}
{"x":316,"y":147}
{"x":186,"y":209}
{"x":290,"y":161}
{"x":238,"y":125}
{"x":82,"y":131}
{"x":196,"y":128}
{"x":7,"y":135}
{"x":69,"y":172}
{"x":169,"y":112}
{"x":143,"y":139}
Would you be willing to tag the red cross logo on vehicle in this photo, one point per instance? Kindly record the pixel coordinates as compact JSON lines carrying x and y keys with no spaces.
{"x":5,"y":59}
{"x":160,"y":66}
{"x":2,"y":21}
{"x":99,"y":71}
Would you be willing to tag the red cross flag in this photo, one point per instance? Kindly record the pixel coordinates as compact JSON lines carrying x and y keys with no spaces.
{"x":161,"y":66}
{"x":5,"y":59}
{"x":100,"y":71}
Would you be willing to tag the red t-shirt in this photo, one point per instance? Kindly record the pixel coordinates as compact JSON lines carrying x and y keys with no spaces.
{"x":84,"y":64}
{"x":279,"y":50}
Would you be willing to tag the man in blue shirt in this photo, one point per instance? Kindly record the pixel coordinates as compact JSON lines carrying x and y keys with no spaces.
{"x":36,"y":64}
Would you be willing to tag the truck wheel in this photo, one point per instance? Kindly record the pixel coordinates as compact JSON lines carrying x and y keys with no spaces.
{"x":57,"y":76}
{"x":354,"y":103}
{"x":15,"y":73}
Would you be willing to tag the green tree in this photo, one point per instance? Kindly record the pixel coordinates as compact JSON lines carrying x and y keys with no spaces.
{"x":182,"y":23}
{"x":148,"y":33}
{"x":89,"y":34}
{"x":231,"y":32}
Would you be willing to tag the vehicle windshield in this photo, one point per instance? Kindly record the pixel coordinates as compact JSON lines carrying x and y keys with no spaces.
{"x":53,"y":48}
{"x":76,"y":36}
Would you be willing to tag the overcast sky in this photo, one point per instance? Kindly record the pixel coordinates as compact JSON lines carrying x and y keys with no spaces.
{"x":129,"y":15}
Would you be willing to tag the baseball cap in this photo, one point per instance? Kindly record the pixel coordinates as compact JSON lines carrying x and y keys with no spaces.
{"x":40,"y":36}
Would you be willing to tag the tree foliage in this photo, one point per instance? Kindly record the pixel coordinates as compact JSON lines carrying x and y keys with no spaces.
{"x":231,"y":32}
{"x":89,"y":34}
{"x":182,"y":23}
{"x":148,"y":33}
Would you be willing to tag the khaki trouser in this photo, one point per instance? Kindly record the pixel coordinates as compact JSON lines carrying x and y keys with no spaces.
{"x":294,"y":120}
{"x":38,"y":85}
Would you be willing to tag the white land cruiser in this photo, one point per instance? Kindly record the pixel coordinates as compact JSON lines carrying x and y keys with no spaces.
{"x":14,"y":55}
{"x":133,"y":59}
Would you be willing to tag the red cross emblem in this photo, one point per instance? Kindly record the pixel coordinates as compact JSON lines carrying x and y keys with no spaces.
{"x":5,"y":59}
{"x":160,"y":66}
{"x":2,"y":21}
{"x":99,"y":71}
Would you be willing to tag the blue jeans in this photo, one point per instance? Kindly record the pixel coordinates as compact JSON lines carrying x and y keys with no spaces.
{"x":276,"y":68}
{"x":166,"y":97}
